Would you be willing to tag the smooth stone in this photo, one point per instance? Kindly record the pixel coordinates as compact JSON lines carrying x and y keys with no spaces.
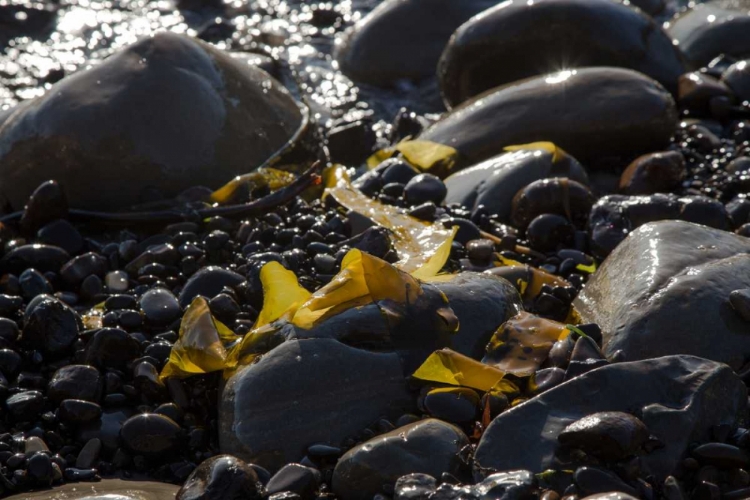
{"x":429,"y":446}
{"x":89,"y":455}
{"x":107,"y":429}
{"x":75,"y":382}
{"x":10,"y":362}
{"x":721,"y":455}
{"x":33,"y":445}
{"x":111,"y":348}
{"x":78,"y":411}
{"x":208,"y":282}
{"x":303,"y":481}
{"x":494,"y":182}
{"x":737,"y":78}
{"x":614,"y":216}
{"x":653,"y":173}
{"x":222,"y":477}
{"x":163,"y":253}
{"x":39,"y":468}
{"x":150,"y":434}
{"x":697,"y":91}
{"x":676,"y":300}
{"x":45,"y":204}
{"x":607,"y":113}
{"x":505,"y":45}
{"x":41,"y":257}
{"x":83,"y":266}
{"x":559,"y":195}
{"x":424,"y":188}
{"x":117,"y":281}
{"x":107,"y":489}
{"x":52,"y":327}
{"x":63,"y":234}
{"x":33,"y":283}
{"x":402,"y":39}
{"x":324,"y":381}
{"x":25,"y":406}
{"x":610,"y":435}
{"x":452,"y":404}
{"x":591,"y":480}
{"x":160,"y":307}
{"x":145,"y":100}
{"x":679,"y":398}
{"x":710,"y":29}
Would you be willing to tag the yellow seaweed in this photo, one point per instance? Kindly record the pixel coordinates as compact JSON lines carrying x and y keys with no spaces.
{"x":522,"y":343}
{"x":282,"y":293}
{"x":449,"y":367}
{"x":424,"y":155}
{"x":363,"y":279}
{"x":416,"y":241}
{"x":266,"y":176}
{"x":203,"y":345}
{"x":557,"y":152}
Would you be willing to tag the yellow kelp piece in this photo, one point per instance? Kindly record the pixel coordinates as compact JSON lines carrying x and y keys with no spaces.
{"x":363,"y":279}
{"x":527,"y":279}
{"x":523,"y":343}
{"x":415,"y":241}
{"x":282,"y":293}
{"x":449,"y":367}
{"x":267,"y":176}
{"x":557,"y":152}
{"x":335,"y":175}
{"x":424,"y":155}
{"x":203,"y":345}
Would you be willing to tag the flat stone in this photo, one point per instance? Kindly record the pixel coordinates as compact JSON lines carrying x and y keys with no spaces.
{"x":330,"y":391}
{"x":505,"y":45}
{"x":402,"y":39}
{"x":429,"y":446}
{"x":679,"y":398}
{"x":606,"y":112}
{"x":171,"y":111}
{"x":666,"y":290}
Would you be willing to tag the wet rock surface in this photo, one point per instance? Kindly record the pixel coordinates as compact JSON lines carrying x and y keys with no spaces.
{"x":105,"y":490}
{"x":505,"y":45}
{"x":673,"y":396}
{"x":527,"y":111}
{"x":675,"y":302}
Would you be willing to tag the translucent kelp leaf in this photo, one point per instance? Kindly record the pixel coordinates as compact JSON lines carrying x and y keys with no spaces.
{"x":449,"y":367}
{"x":263,"y":177}
{"x":204,"y":344}
{"x":425,"y":155}
{"x":434,"y":264}
{"x":589,"y":269}
{"x":363,"y":279}
{"x":282,"y":293}
{"x":336,"y":175}
{"x":523,"y":343}
{"x":415,"y":241}
{"x":527,"y":279}
{"x":557,"y":152}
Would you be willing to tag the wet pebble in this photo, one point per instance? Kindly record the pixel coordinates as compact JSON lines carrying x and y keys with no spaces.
{"x":549,"y":231}
{"x":51,"y":327}
{"x":75,"y":382}
{"x":150,"y":434}
{"x":88,"y":457}
{"x":591,"y":480}
{"x":208,"y":282}
{"x":63,"y":234}
{"x":160,"y":307}
{"x":222,"y":477}
{"x":653,"y":173}
{"x":111,"y":347}
{"x":297,"y":478}
{"x":721,"y":455}
{"x":608,"y":435}
{"x":456,"y":405}
{"x":425,"y":188}
{"x":77,"y":411}
{"x":39,"y":468}
{"x":25,"y":406}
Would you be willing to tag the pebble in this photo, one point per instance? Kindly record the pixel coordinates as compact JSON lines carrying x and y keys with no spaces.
{"x":25,"y":405}
{"x":721,"y":455}
{"x":77,"y":411}
{"x":222,"y":477}
{"x":160,"y":307}
{"x":111,"y":347}
{"x":117,"y":281}
{"x":150,"y":434}
{"x":63,"y":234}
{"x":208,"y":282}
{"x":303,"y":481}
{"x":549,"y":231}
{"x":81,"y":382}
{"x":425,"y":188}
{"x":88,"y":457}
{"x":457,"y":405}
{"x":607,"y":435}
{"x":45,"y":204}
{"x":79,"y":268}
{"x":591,"y":480}
{"x":39,"y":468}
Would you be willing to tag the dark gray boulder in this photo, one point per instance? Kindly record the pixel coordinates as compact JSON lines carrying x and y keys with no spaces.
{"x":505,"y":44}
{"x":164,"y":114}
{"x":592,"y":113}
{"x":710,"y":29}
{"x":402,"y":39}
{"x":665,"y":290}
{"x":429,"y":447}
{"x":679,"y":398}
{"x":305,"y":392}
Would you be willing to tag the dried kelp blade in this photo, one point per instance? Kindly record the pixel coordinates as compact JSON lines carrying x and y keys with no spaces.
{"x":263,"y":177}
{"x":416,"y":242}
{"x":363,"y":279}
{"x":204,"y":344}
{"x":523,"y":343}
{"x":425,"y":155}
{"x":449,"y":367}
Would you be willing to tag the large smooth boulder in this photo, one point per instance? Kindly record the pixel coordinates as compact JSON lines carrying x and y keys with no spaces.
{"x":165,"y":114}
{"x":506,"y":44}
{"x":665,"y":290}
{"x":305,"y":392}
{"x":679,"y":398}
{"x":711,"y":29}
{"x":494,"y":182}
{"x":107,"y":489}
{"x":402,"y":39}
{"x":592,"y":113}
{"x":429,"y":447}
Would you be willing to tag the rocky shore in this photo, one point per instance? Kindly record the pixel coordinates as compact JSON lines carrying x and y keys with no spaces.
{"x":375,"y":250}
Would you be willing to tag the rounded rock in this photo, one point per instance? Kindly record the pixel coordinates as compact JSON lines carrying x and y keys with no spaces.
{"x":425,"y":188}
{"x":608,"y":435}
{"x":653,"y":173}
{"x":160,"y":307}
{"x":150,"y":434}
{"x":222,"y":477}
